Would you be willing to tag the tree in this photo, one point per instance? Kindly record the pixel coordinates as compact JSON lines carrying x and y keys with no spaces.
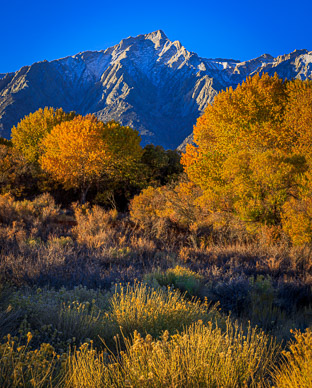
{"x":16,"y":176}
{"x":298,"y":116}
{"x":5,"y":142}
{"x":123,"y":144}
{"x":253,"y":147}
{"x":82,"y":151}
{"x":162,"y":166}
{"x":32,"y":129}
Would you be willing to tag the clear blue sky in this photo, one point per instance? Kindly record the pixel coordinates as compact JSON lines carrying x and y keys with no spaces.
{"x":36,"y":30}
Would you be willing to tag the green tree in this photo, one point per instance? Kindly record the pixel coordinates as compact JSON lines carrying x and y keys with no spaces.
{"x":161,"y":165}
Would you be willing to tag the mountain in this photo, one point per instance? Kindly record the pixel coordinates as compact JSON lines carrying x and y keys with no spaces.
{"x":147,"y":82}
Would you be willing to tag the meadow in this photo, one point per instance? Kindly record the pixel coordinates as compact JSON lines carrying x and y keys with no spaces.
{"x":91,"y":299}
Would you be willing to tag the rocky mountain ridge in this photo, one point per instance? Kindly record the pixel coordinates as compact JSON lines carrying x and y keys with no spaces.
{"x":147,"y":82}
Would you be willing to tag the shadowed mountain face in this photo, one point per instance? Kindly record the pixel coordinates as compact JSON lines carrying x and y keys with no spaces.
{"x":148,"y":82}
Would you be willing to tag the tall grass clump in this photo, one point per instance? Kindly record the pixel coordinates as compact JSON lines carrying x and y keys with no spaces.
{"x":295,"y":370}
{"x":87,"y":368}
{"x":152,"y":311}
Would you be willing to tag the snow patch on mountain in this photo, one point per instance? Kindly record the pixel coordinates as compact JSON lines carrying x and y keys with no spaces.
{"x":149,"y":82}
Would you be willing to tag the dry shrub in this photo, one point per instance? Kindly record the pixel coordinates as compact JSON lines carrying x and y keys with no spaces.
{"x":31,"y":219}
{"x":146,"y":208}
{"x":181,"y":208}
{"x":151,"y":311}
{"x":8,"y":213}
{"x":171,"y":208}
{"x":22,"y":367}
{"x":199,"y":356}
{"x":179,"y":277}
{"x":86,"y":368}
{"x":94,"y":226}
{"x":295,"y":370}
{"x":42,"y":208}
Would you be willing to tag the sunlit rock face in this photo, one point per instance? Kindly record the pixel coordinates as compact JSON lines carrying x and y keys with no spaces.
{"x":147,"y":82}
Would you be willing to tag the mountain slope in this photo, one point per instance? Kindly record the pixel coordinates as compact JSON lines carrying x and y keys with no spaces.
{"x":147,"y":82}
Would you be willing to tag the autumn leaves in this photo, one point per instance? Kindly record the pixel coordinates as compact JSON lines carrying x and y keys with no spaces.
{"x":253,"y":154}
{"x":77,"y":151}
{"x":252,"y":158}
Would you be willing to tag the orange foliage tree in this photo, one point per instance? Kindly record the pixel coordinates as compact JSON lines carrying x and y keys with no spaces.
{"x":253,"y":148}
{"x":79,"y":152}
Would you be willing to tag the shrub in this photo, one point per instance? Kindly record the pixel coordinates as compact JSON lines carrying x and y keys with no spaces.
{"x":40,"y":211}
{"x":151,"y":311}
{"x":199,"y":356}
{"x":94,"y":226}
{"x":8,"y":213}
{"x":22,"y":367}
{"x":263,"y":309}
{"x":168,"y":208}
{"x":180,"y":277}
{"x":295,"y":370}
{"x":61,"y":317}
{"x":146,"y":208}
{"x":86,"y":368}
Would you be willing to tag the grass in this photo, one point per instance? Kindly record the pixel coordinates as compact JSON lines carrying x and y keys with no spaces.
{"x":22,"y":367}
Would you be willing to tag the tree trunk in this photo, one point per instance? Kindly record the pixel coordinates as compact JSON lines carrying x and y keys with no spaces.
{"x":84,"y":192}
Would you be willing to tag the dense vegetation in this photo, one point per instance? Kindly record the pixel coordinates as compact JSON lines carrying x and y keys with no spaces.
{"x":164,"y":278}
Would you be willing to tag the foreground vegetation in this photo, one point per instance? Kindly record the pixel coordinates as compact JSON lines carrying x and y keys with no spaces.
{"x":93,"y":300}
{"x":164,"y":279}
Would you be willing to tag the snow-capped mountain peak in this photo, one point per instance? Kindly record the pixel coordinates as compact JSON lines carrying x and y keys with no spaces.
{"x":148,"y":82}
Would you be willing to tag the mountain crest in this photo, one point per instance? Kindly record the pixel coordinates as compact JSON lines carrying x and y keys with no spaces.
{"x":148,"y":82}
{"x":156,"y":36}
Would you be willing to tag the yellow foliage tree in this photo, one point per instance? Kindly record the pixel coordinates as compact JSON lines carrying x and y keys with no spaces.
{"x":253,"y":148}
{"x":123,"y":143}
{"x":32,"y":129}
{"x":298,"y":116}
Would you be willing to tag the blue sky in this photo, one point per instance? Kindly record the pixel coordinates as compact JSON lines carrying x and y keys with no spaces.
{"x":36,"y":30}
